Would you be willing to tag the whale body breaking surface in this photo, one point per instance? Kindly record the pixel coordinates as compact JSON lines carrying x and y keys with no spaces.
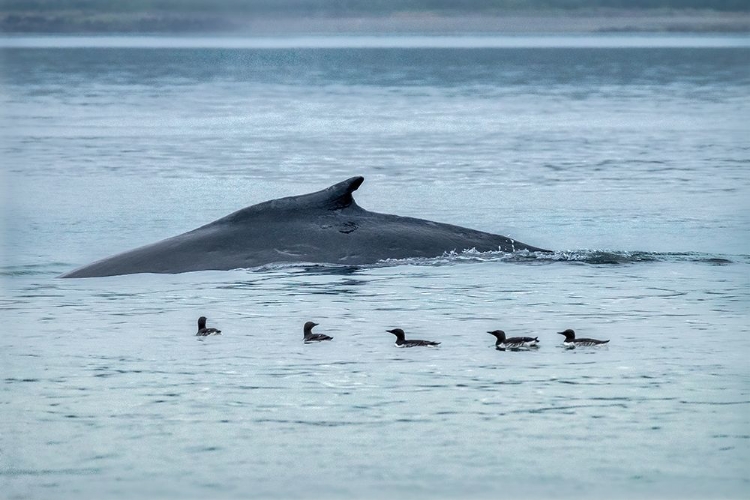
{"x":322,"y":227}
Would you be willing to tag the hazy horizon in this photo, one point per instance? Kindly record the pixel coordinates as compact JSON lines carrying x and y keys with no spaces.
{"x":384,"y":16}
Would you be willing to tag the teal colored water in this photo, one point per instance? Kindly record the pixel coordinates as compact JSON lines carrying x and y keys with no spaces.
{"x":627,"y":155}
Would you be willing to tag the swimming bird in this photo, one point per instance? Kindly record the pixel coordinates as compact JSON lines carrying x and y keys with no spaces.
{"x":313,"y":337}
{"x":402,"y":342}
{"x":203,"y":331}
{"x":513,"y":343}
{"x":572,"y":341}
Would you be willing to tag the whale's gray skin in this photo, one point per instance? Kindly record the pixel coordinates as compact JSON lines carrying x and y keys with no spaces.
{"x":323,"y":227}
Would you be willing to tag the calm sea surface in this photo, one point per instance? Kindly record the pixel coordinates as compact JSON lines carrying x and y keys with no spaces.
{"x":629,"y":156}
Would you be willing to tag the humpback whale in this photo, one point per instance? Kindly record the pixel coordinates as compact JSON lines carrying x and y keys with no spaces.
{"x":322,"y":227}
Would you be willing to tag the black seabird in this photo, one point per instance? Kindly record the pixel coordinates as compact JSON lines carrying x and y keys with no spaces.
{"x":313,"y":337}
{"x":513,"y":343}
{"x":203,"y":331}
{"x":402,"y":342}
{"x":572,"y":341}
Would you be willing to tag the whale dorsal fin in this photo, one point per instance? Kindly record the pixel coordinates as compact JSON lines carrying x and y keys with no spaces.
{"x":336,"y":197}
{"x":339,"y":195}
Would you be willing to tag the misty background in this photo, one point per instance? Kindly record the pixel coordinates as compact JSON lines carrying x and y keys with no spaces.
{"x":372,"y":16}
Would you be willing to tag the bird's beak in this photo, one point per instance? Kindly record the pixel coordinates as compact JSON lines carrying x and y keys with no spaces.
{"x":561,"y":333}
{"x":316,"y":324}
{"x":389,"y":331}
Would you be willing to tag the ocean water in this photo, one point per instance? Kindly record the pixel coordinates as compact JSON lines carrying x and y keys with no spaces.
{"x":627,"y":155}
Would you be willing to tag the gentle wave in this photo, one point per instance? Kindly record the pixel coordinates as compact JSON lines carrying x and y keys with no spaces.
{"x":638,"y":40}
{"x":33,"y":269}
{"x":595,"y":257}
{"x":592,"y":257}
